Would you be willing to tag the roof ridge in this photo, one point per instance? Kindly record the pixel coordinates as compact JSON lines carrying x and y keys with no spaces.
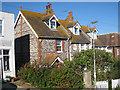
{"x":33,"y":12}
{"x":108,"y":33}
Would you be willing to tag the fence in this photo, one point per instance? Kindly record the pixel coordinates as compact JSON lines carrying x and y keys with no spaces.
{"x":104,"y":84}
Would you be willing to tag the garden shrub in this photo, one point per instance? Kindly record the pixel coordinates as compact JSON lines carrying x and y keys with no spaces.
{"x":44,"y":77}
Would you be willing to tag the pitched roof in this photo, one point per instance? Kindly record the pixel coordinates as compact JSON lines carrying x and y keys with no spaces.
{"x":49,"y":59}
{"x":111,"y":39}
{"x":82,"y":38}
{"x":36,"y":21}
{"x":86,"y":30}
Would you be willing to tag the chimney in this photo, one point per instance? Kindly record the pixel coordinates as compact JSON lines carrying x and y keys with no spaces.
{"x":46,"y":7}
{"x":20,"y":8}
{"x":70,"y":13}
{"x":50,"y":5}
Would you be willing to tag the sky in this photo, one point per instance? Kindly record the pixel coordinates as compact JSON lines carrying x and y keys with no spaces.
{"x":106,"y":13}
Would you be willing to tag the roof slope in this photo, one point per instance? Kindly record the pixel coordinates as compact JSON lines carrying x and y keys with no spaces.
{"x":36,"y":21}
{"x":85,"y":29}
{"x":111,"y":39}
{"x":82,"y":38}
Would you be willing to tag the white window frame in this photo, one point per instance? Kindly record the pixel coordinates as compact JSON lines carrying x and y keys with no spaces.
{"x":2,"y":33}
{"x":53,"y":20}
{"x":78,"y":27}
{"x":59,"y":45}
{"x":74,"y":46}
{"x":118,"y":52}
{"x":51,"y":24}
{"x":82,"y":47}
{"x":2,"y":56}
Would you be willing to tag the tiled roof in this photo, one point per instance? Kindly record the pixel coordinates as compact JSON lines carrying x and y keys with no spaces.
{"x":111,"y":39}
{"x":49,"y":59}
{"x":82,"y":38}
{"x":36,"y":21}
{"x":85,"y":29}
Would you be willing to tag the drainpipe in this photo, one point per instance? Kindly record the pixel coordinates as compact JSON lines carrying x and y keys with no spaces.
{"x":68,"y":48}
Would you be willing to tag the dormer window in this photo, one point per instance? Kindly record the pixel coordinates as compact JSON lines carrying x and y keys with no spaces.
{"x":53,"y":24}
{"x":76,"y":31}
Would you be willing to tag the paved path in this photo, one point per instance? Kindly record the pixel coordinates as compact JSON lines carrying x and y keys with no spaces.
{"x":17,"y":85}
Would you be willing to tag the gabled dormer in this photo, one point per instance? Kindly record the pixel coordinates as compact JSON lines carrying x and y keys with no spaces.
{"x":76,"y":29}
{"x":90,"y":31}
{"x":53,"y":22}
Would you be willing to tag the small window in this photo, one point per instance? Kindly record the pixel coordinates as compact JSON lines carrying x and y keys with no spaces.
{"x":53,"y":24}
{"x":74,"y":47}
{"x":118,"y":51}
{"x":0,"y":27}
{"x":76,"y":31}
{"x":0,"y":52}
{"x":82,"y":46}
{"x":6,"y":59}
{"x":59,"y":45}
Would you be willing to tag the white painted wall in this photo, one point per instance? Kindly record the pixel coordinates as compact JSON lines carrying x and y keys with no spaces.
{"x":7,"y":40}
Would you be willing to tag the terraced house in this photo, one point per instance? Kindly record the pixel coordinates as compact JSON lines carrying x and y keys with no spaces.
{"x":110,"y":43}
{"x":42,"y":37}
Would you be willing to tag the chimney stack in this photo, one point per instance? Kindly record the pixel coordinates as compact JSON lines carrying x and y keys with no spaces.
{"x":46,"y":7}
{"x":50,"y":5}
{"x":20,"y":8}
{"x":70,"y":13}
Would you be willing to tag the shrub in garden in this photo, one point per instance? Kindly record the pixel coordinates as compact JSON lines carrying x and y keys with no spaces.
{"x":43,"y":77}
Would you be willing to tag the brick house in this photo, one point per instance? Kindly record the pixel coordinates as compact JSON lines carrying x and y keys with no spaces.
{"x":42,"y":37}
{"x":110,"y":43}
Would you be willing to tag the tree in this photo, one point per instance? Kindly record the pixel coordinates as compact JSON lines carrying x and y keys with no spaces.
{"x":84,"y":59}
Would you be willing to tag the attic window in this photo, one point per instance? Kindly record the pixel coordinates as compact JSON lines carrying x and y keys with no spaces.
{"x":76,"y":30}
{"x":53,"y":24}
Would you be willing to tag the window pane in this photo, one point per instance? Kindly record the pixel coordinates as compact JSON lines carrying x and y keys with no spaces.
{"x":5,"y":52}
{"x":0,"y":29}
{"x":52,"y":24}
{"x":0,"y":21}
{"x":0,"y":52}
{"x":76,"y":30}
{"x":58,"y":48}
{"x":58,"y":42}
{"x":6,"y":62}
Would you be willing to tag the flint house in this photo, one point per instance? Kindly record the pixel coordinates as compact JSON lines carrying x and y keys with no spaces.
{"x":42,"y":37}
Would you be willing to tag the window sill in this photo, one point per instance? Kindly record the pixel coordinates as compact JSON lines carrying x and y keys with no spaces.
{"x":59,"y":51}
{"x":7,"y":71}
{"x":1,"y":35}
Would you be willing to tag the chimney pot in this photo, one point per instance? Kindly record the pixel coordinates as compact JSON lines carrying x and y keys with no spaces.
{"x":70,"y":13}
{"x":20,"y":8}
{"x":50,"y":5}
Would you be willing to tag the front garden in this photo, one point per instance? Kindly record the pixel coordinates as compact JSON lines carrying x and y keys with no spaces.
{"x":70,"y":74}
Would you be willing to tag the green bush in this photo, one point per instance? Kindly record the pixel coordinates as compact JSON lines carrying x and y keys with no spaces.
{"x":62,"y":77}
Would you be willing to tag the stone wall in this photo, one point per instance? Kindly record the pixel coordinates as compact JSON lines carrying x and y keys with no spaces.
{"x":21,"y":30}
{"x":48,"y":46}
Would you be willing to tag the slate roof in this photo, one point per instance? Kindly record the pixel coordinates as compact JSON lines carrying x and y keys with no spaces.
{"x":111,"y":39}
{"x":36,"y":21}
{"x":85,"y":29}
{"x":82,"y":38}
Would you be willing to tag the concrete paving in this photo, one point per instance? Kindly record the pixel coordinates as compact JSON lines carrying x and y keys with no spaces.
{"x":17,"y":85}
